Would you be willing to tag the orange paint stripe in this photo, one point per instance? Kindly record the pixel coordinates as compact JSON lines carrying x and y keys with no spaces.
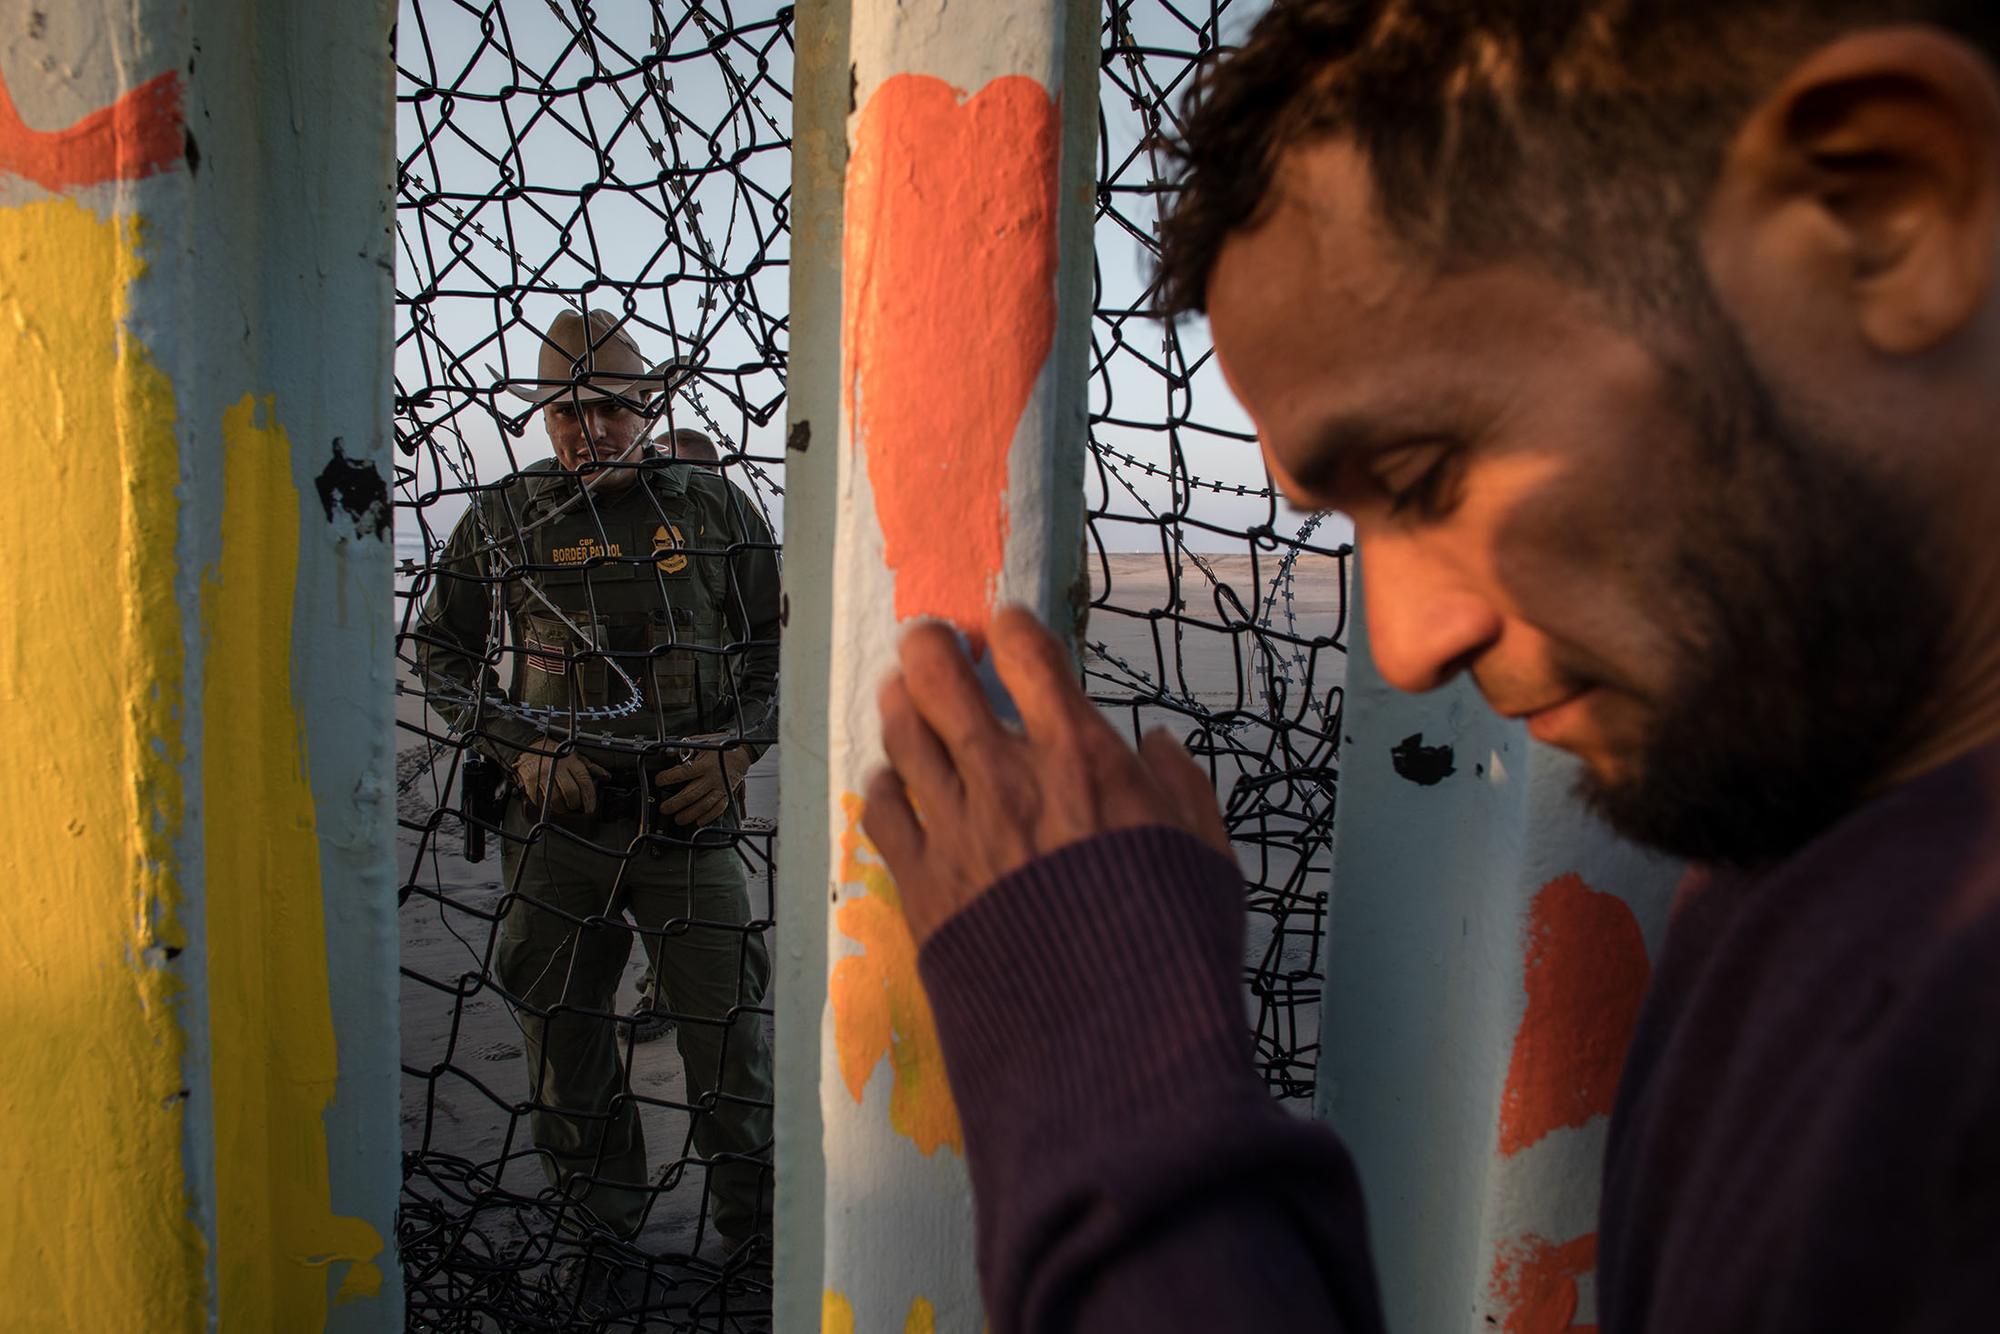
{"x":1534,"y":1284}
{"x":138,"y":135}
{"x":1586,"y":972}
{"x":949,"y":313}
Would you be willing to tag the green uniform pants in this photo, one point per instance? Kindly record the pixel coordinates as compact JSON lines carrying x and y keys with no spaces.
{"x":691,"y":907}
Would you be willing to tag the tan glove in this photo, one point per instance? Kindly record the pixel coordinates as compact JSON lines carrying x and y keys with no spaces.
{"x":561,"y":783}
{"x":710,"y":777}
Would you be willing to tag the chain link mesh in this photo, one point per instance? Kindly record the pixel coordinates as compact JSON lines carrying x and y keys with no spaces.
{"x":636,"y":159}
{"x":1231,"y":628}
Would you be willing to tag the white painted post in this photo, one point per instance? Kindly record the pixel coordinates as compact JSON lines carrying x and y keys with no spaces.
{"x":956,"y":440}
{"x":820,"y":92}
{"x":1487,"y":945}
{"x":195,"y":274}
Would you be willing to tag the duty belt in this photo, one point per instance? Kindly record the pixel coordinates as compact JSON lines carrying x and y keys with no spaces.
{"x":618,"y":798}
{"x":621,"y":799}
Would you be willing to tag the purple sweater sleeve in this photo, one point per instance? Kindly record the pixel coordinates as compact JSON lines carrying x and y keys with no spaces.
{"x":1129,"y":1170}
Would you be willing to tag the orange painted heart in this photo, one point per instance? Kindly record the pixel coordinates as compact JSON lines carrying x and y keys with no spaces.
{"x":949,"y":311}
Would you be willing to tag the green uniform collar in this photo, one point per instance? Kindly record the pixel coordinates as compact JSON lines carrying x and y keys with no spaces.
{"x":665,"y":481}
{"x":547,"y":474}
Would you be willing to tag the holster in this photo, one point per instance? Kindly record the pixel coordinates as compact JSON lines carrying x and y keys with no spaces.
{"x":482,"y":787}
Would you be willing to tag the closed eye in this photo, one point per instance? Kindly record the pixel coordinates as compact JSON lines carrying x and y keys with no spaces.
{"x":1420,"y":479}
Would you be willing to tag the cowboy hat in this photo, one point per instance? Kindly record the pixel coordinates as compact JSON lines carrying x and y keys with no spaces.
{"x":593,"y":359}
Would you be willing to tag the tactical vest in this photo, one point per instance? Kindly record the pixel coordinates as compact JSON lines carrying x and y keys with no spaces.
{"x":637,"y":591}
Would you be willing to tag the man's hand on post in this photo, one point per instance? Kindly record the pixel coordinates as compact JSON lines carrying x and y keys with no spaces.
{"x":562,"y":783}
{"x":967,"y":799}
{"x":707,"y":778}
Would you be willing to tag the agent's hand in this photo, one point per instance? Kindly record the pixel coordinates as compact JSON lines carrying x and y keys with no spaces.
{"x":966,"y":799}
{"x":563,"y":782}
{"x":710,"y":776}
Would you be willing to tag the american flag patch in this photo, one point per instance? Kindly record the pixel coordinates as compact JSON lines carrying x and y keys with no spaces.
{"x":547,"y":658}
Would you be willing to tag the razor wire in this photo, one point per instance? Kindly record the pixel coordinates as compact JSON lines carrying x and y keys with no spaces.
{"x":636,"y":159}
{"x":1240,"y":611}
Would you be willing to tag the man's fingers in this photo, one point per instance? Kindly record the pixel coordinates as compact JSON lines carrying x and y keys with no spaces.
{"x":918,"y":757}
{"x":1186,"y":785}
{"x":687,"y":804}
{"x":703,"y":813}
{"x":578,"y":790}
{"x":533,"y":777}
{"x":944,"y":690}
{"x":695,"y":793}
{"x":705,"y":794}
{"x":1040,"y":675}
{"x":891,"y":823}
{"x":700,"y":765}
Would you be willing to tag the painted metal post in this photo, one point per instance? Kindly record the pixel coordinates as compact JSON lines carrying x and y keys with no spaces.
{"x":952,"y":468}
{"x":199,"y":1126}
{"x":1488,"y":945}
{"x":820,"y":93}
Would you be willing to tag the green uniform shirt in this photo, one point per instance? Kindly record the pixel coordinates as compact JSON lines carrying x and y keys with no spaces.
{"x":635,"y":617}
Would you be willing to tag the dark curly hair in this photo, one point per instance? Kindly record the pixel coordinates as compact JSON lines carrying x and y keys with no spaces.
{"x":1583,"y":133}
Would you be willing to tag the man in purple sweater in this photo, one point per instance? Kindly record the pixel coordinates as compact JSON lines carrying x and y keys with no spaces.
{"x":1654,"y":349}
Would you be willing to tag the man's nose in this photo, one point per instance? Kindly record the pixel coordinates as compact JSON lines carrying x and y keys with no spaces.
{"x":596,"y":417}
{"x":1425,"y":624}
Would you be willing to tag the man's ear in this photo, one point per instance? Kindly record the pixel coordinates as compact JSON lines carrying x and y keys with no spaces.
{"x":1872,"y":175}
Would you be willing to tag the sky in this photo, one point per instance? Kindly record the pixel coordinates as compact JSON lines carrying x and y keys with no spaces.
{"x":515,"y":217}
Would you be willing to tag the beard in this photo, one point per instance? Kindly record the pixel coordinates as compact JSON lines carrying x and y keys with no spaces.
{"x":1812,"y":635}
{"x":613,"y":475}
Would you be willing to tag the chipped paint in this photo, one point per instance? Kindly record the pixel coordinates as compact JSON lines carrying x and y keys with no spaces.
{"x":1534,"y":1284}
{"x":1586,"y":972}
{"x":949,"y":313}
{"x":282,"y":1253}
{"x":139,"y":135}
{"x":358,"y":489}
{"x":1426,"y":766}
{"x":95,"y":1216}
{"x":880,"y":1009}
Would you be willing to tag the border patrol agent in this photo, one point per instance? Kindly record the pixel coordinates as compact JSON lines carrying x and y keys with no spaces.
{"x":631,"y":580}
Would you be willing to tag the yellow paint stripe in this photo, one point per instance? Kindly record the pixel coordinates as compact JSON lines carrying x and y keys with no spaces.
{"x":837,"y":1315}
{"x":279,"y":1243}
{"x":95,"y":1232}
{"x":879,"y":1005}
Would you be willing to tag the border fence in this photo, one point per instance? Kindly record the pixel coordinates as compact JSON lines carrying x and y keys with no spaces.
{"x":635,"y":159}
{"x":1233,"y":631}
